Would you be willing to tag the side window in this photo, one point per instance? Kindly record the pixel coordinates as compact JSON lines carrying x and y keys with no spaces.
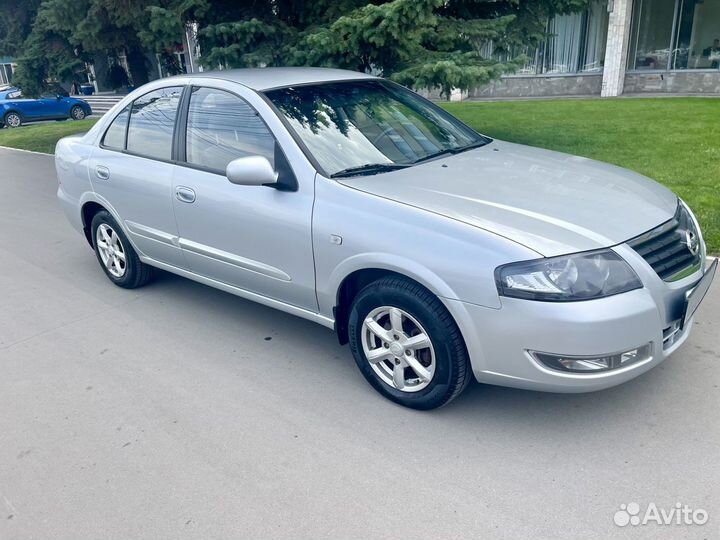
{"x":222,"y":127}
{"x":114,"y":137}
{"x":152,"y":121}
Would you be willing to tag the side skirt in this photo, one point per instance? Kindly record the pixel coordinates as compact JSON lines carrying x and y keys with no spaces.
{"x":237,"y":291}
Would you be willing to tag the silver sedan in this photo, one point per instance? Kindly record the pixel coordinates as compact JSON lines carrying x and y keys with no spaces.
{"x":439,"y":254}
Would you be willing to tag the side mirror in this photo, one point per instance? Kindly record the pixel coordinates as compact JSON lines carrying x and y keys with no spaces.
{"x":251,"y":171}
{"x":59,"y":96}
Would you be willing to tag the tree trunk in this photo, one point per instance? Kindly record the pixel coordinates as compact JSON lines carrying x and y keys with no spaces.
{"x":138,"y":64}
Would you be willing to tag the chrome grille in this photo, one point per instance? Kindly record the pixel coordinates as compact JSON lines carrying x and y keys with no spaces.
{"x":671,"y":334}
{"x":668,"y":248}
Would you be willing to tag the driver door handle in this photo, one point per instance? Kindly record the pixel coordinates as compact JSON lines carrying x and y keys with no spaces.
{"x":184,"y":194}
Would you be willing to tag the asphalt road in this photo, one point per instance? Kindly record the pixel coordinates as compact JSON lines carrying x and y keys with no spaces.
{"x":178,"y":411}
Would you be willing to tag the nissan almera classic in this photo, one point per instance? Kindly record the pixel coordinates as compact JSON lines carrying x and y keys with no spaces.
{"x":438,"y":253}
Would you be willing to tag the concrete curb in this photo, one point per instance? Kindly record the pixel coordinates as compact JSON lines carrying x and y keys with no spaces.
{"x":23,"y":150}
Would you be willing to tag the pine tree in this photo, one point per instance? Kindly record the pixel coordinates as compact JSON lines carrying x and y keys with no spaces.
{"x":420,"y":43}
{"x":441,"y":44}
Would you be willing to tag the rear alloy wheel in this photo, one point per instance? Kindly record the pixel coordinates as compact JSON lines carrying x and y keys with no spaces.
{"x":116,"y":256}
{"x":13,"y":120}
{"x":407,"y":345}
{"x":77,"y":113}
{"x":111,"y":250}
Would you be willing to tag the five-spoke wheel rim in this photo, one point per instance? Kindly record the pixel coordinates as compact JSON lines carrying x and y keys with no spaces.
{"x":78,"y":113}
{"x":111,"y":250}
{"x":398,"y":349}
{"x":12,"y":120}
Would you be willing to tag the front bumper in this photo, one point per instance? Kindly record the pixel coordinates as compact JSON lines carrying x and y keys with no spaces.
{"x":498,"y":340}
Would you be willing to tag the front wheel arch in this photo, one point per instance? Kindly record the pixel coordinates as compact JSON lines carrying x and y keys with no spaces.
{"x":349,"y":288}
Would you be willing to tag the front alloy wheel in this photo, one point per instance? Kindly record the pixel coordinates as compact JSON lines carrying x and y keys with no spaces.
{"x":77,"y":113}
{"x":407,"y":345}
{"x":398,"y":349}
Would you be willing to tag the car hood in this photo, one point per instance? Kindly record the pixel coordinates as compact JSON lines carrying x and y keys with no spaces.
{"x":550,"y":202}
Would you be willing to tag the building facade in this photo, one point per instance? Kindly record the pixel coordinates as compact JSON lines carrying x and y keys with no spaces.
{"x":7,"y":66}
{"x":614,"y":47}
{"x":619,"y":47}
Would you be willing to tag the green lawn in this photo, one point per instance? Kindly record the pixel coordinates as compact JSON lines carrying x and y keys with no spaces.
{"x":42,"y":137}
{"x":676,"y":141}
{"x":673,"y":140}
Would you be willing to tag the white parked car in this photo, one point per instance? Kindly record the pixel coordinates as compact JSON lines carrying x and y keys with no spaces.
{"x":436,"y":252}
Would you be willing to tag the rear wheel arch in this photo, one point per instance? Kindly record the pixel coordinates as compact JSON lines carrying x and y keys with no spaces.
{"x":88,"y":211}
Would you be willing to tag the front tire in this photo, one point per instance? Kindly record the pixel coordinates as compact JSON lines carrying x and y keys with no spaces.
{"x":407,"y":345}
{"x":12,"y":120}
{"x":77,"y":113}
{"x":116,"y":256}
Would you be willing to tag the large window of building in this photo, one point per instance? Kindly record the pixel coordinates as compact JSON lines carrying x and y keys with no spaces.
{"x":675,"y":34}
{"x":6,"y":71}
{"x":596,"y":29}
{"x":562,"y":48}
{"x":575,"y":43}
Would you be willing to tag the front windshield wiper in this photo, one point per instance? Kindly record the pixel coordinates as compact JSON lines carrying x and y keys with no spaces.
{"x":370,"y":168}
{"x":451,"y":151}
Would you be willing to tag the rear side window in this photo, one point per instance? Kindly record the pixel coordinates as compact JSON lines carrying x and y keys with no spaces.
{"x":152,"y":121}
{"x":222,"y":127}
{"x":115,"y":135}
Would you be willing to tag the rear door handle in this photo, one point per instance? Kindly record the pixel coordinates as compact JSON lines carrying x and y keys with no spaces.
{"x":184,"y":194}
{"x":103,"y":173}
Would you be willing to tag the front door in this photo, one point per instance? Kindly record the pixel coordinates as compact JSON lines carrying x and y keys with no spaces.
{"x":256,"y":238}
{"x":133,"y":173}
{"x":52,"y":107}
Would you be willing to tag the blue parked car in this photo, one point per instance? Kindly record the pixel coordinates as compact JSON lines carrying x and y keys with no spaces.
{"x":16,"y":110}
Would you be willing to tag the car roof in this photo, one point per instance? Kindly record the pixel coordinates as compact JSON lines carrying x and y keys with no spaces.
{"x":278,"y":77}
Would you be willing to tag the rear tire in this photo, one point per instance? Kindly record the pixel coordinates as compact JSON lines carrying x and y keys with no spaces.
{"x":419,"y":355}
{"x":116,"y":256}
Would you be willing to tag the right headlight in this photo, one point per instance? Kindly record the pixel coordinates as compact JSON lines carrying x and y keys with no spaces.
{"x":569,"y":278}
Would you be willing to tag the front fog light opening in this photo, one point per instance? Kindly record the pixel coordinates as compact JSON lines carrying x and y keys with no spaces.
{"x":593,"y":364}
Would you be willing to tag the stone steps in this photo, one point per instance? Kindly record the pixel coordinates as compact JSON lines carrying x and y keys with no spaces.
{"x":102,"y":103}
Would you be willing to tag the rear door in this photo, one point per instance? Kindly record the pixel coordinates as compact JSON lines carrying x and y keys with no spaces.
{"x":30,"y":109}
{"x":132,"y":171}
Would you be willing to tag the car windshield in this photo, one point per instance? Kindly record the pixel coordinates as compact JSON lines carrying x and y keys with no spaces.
{"x":368,"y":127}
